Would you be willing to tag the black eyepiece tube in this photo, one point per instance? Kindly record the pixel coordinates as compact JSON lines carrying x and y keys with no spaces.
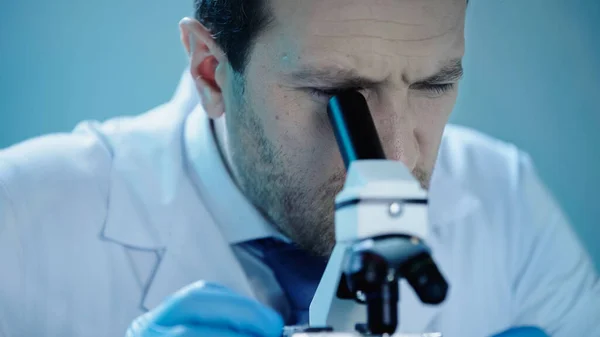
{"x":353,"y":126}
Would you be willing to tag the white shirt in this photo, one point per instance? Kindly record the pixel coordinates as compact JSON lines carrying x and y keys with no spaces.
{"x":101,"y":224}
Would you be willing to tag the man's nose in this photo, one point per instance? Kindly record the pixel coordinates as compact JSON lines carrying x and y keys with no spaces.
{"x":396,"y":128}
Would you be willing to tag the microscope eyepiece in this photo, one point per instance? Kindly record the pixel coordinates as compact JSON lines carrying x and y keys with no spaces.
{"x":354,"y":128}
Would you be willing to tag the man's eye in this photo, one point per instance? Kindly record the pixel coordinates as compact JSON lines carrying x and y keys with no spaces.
{"x":321,"y":93}
{"x":436,"y":89}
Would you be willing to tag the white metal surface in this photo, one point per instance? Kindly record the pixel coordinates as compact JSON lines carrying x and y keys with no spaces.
{"x":381,"y":184}
{"x":355,"y":334}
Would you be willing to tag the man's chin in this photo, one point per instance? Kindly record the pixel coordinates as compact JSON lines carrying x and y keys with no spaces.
{"x":316,"y":238}
{"x":423,"y":177}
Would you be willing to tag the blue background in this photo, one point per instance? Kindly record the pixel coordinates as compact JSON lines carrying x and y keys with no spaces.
{"x":532,"y":78}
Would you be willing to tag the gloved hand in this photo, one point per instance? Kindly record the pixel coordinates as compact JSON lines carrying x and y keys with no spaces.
{"x":203,"y":310}
{"x":522,"y":332}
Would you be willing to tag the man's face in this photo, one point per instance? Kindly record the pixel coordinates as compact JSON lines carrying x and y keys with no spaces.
{"x":403,"y":55}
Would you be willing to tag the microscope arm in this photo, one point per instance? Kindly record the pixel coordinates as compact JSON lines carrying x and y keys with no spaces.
{"x":380,"y":224}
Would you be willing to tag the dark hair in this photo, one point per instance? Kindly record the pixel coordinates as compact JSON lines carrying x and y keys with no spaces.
{"x":234,"y":24}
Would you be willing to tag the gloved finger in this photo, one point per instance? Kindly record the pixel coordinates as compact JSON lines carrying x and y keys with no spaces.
{"x":522,"y":332}
{"x":207,"y":304}
{"x":199,"y":331}
{"x":185,"y":331}
{"x":144,"y":326}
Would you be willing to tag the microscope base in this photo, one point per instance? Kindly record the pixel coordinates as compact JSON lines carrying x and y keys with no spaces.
{"x":297,"y":331}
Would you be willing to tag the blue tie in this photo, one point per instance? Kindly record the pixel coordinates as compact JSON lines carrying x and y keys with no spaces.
{"x":297,"y":272}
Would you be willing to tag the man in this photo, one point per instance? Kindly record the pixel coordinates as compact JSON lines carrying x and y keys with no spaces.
{"x":99,"y":226}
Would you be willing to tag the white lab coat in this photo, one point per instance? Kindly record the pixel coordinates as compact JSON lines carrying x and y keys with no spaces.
{"x":99,"y":225}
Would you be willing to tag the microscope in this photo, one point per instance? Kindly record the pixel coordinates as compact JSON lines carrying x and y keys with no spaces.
{"x":380,"y":224}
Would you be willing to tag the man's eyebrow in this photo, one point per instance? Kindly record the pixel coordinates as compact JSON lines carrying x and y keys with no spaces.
{"x":451,"y":72}
{"x":338,"y":77}
{"x":330,"y":76}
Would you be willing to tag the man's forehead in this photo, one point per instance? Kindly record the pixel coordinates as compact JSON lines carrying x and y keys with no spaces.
{"x":410,"y":27}
{"x":410,"y":17}
{"x":372,"y":36}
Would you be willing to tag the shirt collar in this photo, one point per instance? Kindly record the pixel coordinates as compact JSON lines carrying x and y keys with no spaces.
{"x":238,"y":219}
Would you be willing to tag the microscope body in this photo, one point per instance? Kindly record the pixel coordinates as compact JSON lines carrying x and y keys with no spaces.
{"x":380,"y":200}
{"x":380,"y":226}
{"x":381,"y":209}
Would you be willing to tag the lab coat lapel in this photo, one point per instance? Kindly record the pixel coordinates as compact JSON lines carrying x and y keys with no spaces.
{"x":155,"y":210}
{"x":191,"y":248}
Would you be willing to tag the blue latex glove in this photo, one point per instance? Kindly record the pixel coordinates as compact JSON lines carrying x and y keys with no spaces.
{"x":522,"y":332}
{"x":208,"y":310}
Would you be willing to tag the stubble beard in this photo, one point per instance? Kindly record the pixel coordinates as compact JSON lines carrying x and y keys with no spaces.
{"x":297,"y":209}
{"x":303,"y":213}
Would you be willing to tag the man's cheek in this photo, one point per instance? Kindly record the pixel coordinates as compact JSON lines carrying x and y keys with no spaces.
{"x":295,"y":122}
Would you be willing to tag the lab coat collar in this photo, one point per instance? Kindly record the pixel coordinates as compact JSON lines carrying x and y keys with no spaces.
{"x":146,"y":177}
{"x":146,"y":172}
{"x":155,"y":209}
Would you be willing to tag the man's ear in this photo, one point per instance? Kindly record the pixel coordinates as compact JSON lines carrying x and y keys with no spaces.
{"x":205,"y":56}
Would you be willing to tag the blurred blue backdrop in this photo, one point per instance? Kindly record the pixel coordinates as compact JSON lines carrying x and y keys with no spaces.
{"x":532,"y":78}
